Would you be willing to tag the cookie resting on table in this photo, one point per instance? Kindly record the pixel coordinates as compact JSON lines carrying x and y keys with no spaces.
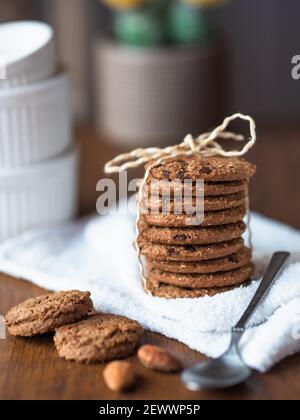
{"x":99,"y":338}
{"x":45,"y":313}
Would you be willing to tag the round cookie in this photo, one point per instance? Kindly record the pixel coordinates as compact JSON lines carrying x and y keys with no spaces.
{"x":163,"y":187}
{"x":99,"y":338}
{"x":45,"y":313}
{"x":173,"y":292}
{"x":230,"y":262}
{"x":215,"y":168}
{"x":162,"y":252}
{"x":211,"y":218}
{"x":158,"y":204}
{"x":193,"y":236}
{"x":199,"y":281}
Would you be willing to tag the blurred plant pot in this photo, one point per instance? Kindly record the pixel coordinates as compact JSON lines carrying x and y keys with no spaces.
{"x":157,"y":96}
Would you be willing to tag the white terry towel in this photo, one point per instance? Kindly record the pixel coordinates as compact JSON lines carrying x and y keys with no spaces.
{"x":96,"y":254}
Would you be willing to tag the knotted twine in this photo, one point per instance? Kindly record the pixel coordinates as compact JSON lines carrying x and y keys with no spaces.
{"x":204,"y":145}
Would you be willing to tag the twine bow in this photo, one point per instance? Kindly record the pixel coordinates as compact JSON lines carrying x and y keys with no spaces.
{"x":206,"y":145}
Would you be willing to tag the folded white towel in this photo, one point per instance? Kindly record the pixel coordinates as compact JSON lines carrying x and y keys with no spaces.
{"x":97,"y":255}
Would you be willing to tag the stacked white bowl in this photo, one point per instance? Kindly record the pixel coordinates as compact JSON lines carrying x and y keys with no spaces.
{"x":38,"y":159}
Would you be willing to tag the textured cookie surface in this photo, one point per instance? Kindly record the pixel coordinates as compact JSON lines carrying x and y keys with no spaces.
{"x":195,"y":167}
{"x":231,"y":262}
{"x":160,"y":187}
{"x":99,"y":338}
{"x":45,"y":313}
{"x":180,"y":205}
{"x":193,"y":236}
{"x":211,"y":218}
{"x":189,"y":252}
{"x":174,"y":292}
{"x":198,"y":281}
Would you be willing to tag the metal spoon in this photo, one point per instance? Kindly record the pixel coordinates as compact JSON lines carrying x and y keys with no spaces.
{"x":230,"y":369}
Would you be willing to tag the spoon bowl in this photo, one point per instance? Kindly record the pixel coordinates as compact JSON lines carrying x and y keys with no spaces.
{"x":227,"y":371}
{"x":230,"y":369}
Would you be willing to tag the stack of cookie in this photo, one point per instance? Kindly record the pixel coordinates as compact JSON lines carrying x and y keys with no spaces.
{"x":188,"y":260}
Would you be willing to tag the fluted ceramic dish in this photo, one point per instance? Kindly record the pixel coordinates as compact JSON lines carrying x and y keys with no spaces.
{"x":38,"y":195}
{"x":27,"y":53}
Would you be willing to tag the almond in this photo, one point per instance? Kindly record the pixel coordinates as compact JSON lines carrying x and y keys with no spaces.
{"x":119,"y":375}
{"x":157,"y":358}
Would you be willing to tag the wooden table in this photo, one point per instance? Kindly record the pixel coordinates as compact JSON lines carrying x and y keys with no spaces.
{"x":30,"y":368}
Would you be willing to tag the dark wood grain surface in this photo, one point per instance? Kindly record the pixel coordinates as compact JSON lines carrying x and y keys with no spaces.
{"x":30,"y":368}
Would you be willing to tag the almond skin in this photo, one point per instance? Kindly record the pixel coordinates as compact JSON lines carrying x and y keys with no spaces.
{"x":119,"y":375}
{"x":156,"y":358}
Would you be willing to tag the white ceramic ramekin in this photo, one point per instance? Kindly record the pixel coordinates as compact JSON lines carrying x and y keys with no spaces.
{"x":27,"y":53}
{"x":39,"y":195}
{"x":35,"y":122}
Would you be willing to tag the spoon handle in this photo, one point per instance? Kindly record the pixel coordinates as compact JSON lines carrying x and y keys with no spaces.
{"x":273,"y":269}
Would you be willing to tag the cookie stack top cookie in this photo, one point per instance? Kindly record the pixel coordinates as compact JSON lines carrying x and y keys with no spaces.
{"x":215,"y":169}
{"x":184,"y":259}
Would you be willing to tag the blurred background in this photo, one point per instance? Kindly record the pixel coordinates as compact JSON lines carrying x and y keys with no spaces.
{"x":149,"y":73}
